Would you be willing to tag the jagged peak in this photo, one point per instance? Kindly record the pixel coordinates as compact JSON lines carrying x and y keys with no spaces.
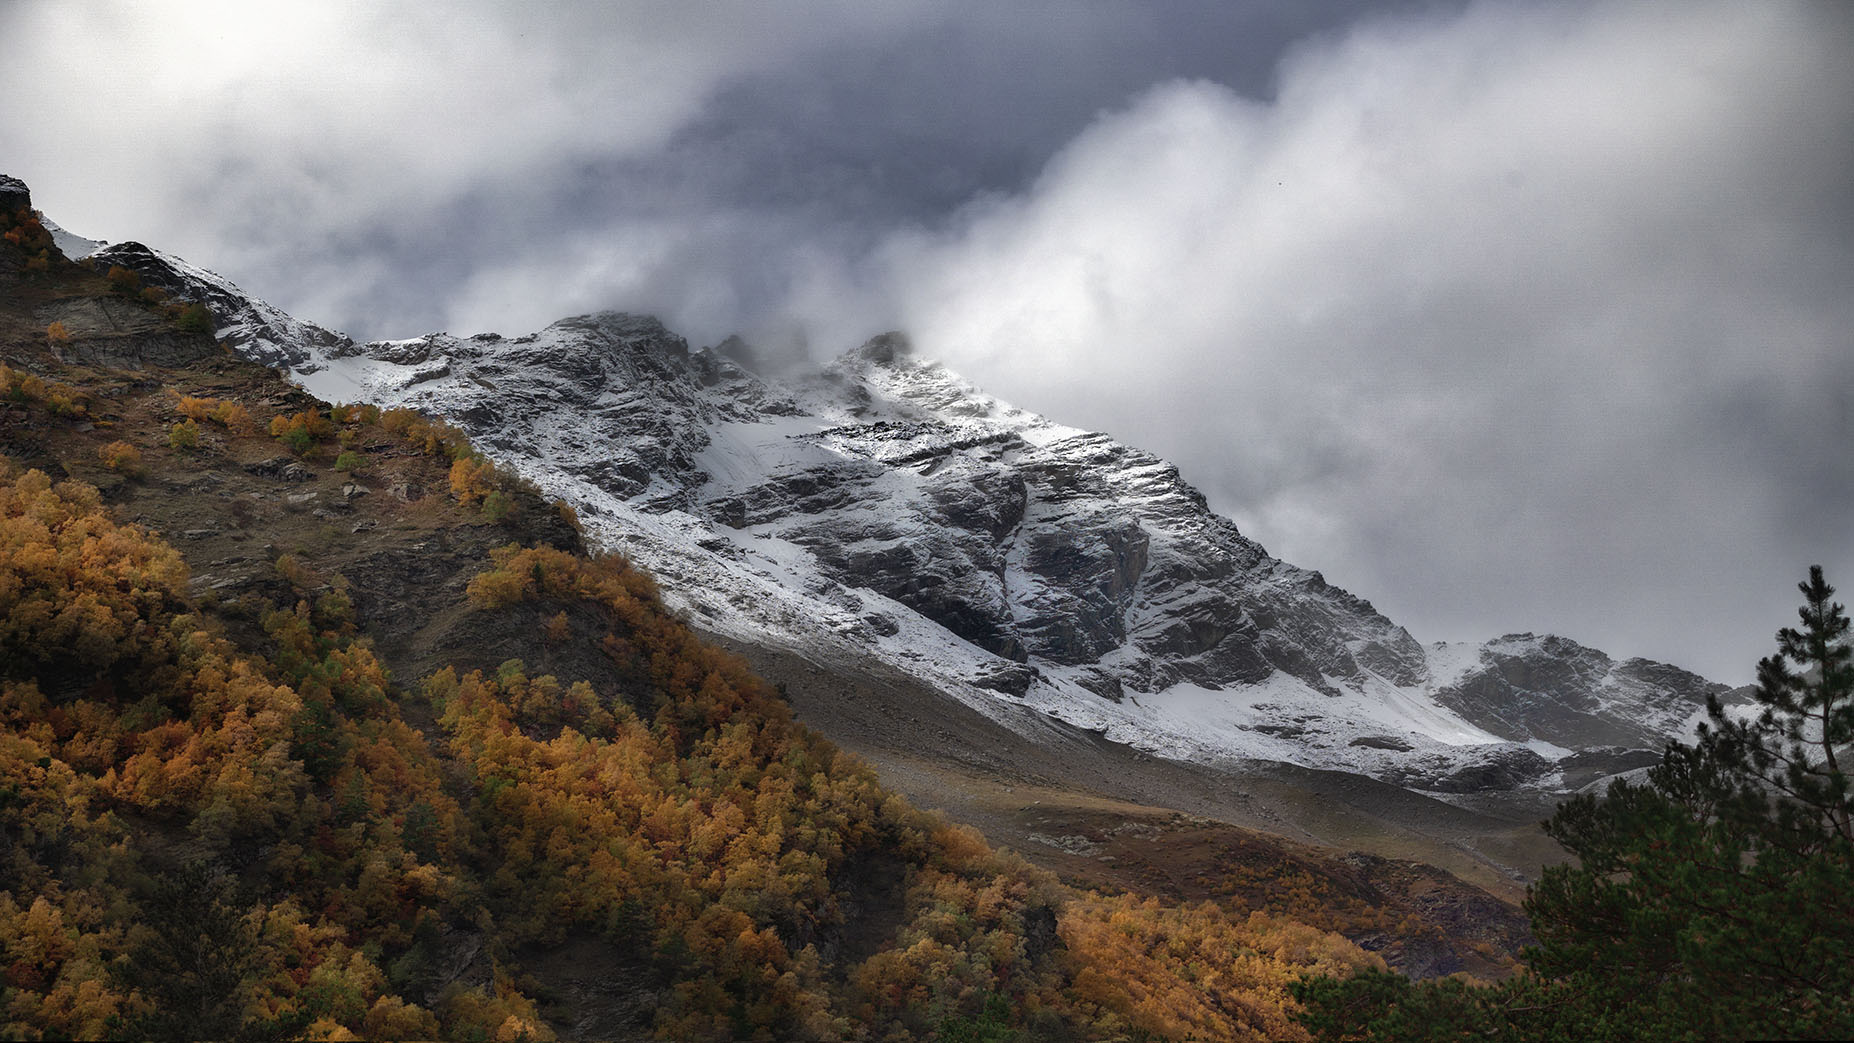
{"x":626,"y":326}
{"x":891,"y":350}
{"x":250,"y":325}
{"x":164,"y":267}
{"x":615,"y":409}
{"x":886,"y":348}
{"x":617,"y":333}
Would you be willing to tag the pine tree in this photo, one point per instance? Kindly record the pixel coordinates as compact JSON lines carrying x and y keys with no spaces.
{"x":1715,"y":901}
{"x":1796,"y":748}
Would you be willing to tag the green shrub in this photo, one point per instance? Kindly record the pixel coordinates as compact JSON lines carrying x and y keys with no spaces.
{"x":497,"y":505}
{"x":184,"y":436}
{"x":194,"y":318}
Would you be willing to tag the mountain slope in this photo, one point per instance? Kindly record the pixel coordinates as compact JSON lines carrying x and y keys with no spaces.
{"x":887,"y":506}
{"x":303,"y":786}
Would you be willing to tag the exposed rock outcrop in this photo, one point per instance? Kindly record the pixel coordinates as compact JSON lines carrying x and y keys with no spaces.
{"x":243,"y":323}
{"x":14,"y":195}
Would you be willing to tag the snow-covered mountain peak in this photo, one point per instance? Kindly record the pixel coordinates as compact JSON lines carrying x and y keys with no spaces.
{"x":881,"y":350}
{"x":890,"y":381}
{"x":73,"y":246}
{"x":619,"y":330}
{"x":886,"y":508}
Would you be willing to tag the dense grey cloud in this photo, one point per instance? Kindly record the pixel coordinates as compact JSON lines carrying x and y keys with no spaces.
{"x":1505,"y":316}
{"x":1533,"y":318}
{"x":393,"y":168}
{"x":360,"y":162}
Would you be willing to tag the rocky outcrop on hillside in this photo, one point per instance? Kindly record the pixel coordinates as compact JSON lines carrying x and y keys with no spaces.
{"x":14,"y":195}
{"x":1555,"y":689}
{"x":122,"y":334}
{"x":249,"y":326}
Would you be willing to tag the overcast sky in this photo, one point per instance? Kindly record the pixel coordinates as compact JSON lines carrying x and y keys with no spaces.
{"x":1506,"y":316}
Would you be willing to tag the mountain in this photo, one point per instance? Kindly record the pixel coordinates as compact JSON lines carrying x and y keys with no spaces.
{"x":318,"y":725}
{"x":885,"y":509}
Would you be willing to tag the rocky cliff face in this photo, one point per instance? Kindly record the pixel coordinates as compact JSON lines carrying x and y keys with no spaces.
{"x":247,"y":325}
{"x":1553,"y":689}
{"x":886,"y":506}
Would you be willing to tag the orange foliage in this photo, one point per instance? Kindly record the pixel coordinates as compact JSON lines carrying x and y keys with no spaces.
{"x":198,"y":409}
{"x":1196,"y":972}
{"x":21,"y":386}
{"x":556,"y":629}
{"x":27,"y":231}
{"x":234,"y":418}
{"x":471,"y":479}
{"x":301,"y":431}
{"x":76,"y":589}
{"x":121,"y":457}
{"x":764,"y":876}
{"x":123,"y":281}
{"x":229,"y":415}
{"x":431,"y":437}
{"x":179,"y":729}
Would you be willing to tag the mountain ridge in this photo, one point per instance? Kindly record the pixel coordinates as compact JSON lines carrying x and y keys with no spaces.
{"x":1018,"y":564}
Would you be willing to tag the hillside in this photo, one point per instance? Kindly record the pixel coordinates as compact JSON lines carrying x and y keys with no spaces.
{"x":324,"y":692}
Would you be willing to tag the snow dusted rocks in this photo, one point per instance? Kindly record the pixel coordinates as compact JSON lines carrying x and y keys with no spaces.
{"x":885,"y":507}
{"x":246,"y":324}
{"x":1552,"y":689}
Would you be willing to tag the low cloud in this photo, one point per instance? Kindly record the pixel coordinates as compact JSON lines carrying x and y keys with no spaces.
{"x":1532,"y":318}
{"x":1506,"y":316}
{"x":282,"y":142}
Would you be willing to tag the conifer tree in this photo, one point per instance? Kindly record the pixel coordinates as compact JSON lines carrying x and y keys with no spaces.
{"x":1715,"y":901}
{"x":192,"y":962}
{"x":1797,"y":748}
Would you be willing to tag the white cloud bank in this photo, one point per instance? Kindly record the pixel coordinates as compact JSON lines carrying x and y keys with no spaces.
{"x":1534,"y":318}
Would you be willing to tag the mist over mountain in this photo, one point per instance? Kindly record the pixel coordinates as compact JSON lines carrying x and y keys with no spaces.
{"x":281,"y":757}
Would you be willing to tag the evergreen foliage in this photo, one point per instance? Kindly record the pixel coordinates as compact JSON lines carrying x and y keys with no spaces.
{"x":1713,"y":901}
{"x":194,"y":958}
{"x":194,"y":318}
{"x":184,"y":436}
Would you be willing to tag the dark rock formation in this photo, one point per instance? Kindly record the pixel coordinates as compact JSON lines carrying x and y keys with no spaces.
{"x":1555,"y":689}
{"x":14,"y":195}
{"x":247,"y":325}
